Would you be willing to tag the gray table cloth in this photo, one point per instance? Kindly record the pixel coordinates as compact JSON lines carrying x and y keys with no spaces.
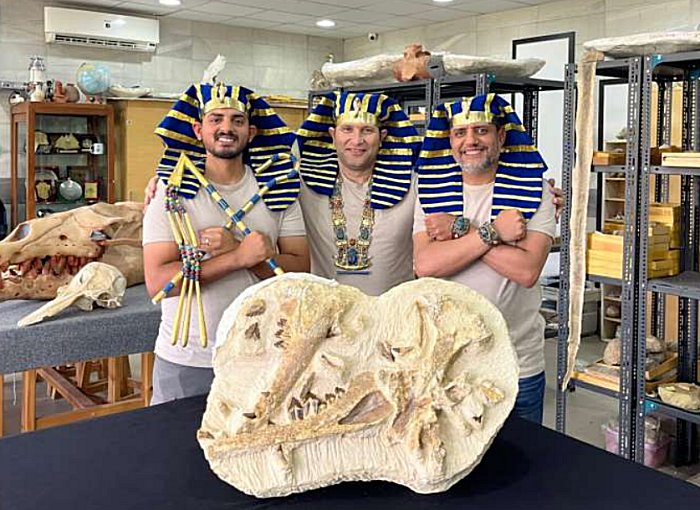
{"x":76,"y":335}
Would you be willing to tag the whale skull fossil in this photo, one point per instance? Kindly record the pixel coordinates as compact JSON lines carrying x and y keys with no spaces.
{"x":317,"y":383}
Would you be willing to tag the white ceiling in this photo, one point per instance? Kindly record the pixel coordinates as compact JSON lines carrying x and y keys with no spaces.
{"x":353,"y":17}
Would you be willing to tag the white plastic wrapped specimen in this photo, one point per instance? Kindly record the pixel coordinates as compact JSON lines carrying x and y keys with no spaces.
{"x":647,"y":43}
{"x":380,"y":68}
{"x":317,"y":383}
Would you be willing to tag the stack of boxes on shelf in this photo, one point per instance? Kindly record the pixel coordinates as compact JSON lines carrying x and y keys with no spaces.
{"x":605,"y":253}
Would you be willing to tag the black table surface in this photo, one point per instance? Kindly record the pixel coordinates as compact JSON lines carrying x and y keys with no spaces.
{"x":150,"y":459}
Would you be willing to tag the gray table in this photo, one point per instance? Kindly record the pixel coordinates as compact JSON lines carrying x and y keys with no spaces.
{"x":75,"y":335}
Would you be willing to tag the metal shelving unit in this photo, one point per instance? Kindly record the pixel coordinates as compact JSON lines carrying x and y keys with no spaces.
{"x":408,"y":94}
{"x":665,"y":69}
{"x":639,"y":73}
{"x":454,"y":87}
{"x":431,"y":92}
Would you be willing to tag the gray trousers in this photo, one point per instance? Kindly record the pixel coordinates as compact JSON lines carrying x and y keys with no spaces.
{"x":172,"y":381}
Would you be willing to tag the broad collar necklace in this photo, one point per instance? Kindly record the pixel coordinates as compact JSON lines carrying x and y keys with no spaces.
{"x":352,"y":253}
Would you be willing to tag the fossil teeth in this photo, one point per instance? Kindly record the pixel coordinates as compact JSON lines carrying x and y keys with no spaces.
{"x":385,"y":351}
{"x":253,"y":331}
{"x":256,"y":308}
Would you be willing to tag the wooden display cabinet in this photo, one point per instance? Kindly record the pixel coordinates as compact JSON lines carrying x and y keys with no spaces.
{"x":62,"y":157}
{"x":139,"y":149}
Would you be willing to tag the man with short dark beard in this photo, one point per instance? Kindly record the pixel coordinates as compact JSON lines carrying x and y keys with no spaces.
{"x":484,"y":219}
{"x":225,"y":130}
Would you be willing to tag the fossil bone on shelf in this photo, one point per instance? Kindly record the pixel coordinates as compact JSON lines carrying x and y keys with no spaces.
{"x":43,"y":254}
{"x":317,"y":383}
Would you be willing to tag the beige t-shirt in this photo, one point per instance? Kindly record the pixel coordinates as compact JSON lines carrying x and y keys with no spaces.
{"x":216,"y":295}
{"x":519,"y":305}
{"x":391,"y":248}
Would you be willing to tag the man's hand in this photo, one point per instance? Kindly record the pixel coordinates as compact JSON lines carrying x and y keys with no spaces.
{"x":255,"y":248}
{"x":510,"y":226}
{"x":150,"y":191}
{"x":438,"y":226}
{"x":557,"y":198}
{"x":217,"y":240}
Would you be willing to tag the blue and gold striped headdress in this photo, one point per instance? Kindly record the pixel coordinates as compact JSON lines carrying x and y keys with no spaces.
{"x":272,"y":137}
{"x":520,"y":166}
{"x":391,"y":177}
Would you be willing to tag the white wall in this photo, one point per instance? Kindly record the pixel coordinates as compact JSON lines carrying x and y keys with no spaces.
{"x":491,"y":34}
{"x":266,"y":61}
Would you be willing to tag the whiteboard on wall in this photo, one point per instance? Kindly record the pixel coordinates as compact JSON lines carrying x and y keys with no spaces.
{"x":556,"y":50}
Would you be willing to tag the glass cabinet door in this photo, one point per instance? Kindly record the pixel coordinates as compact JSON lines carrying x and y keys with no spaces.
{"x":70,"y":161}
{"x":18,"y":193}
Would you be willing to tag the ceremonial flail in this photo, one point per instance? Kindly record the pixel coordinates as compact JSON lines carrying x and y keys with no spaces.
{"x":187,"y":240}
{"x":182,"y":166}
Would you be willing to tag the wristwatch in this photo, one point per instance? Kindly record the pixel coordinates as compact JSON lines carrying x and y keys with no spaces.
{"x":460,"y":226}
{"x":488,"y":234}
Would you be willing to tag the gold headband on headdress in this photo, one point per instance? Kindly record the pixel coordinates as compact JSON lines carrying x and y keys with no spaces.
{"x":466,"y":116}
{"x":358,"y":114}
{"x":220,"y":99}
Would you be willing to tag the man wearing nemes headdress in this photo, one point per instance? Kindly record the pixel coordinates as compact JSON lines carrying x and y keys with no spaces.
{"x":227,"y":133}
{"x":480,"y":177}
{"x":358,"y":151}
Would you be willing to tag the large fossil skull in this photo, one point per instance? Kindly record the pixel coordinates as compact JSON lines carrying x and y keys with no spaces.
{"x":96,"y":283}
{"x":41,"y":255}
{"x":317,"y":383}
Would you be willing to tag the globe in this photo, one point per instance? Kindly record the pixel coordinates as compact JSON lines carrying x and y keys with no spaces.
{"x":93,"y":78}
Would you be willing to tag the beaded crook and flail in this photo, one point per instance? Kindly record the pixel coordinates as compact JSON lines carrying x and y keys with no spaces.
{"x":191,"y":257}
{"x":186,"y":237}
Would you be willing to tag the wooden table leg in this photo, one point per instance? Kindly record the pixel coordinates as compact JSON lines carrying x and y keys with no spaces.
{"x":115,"y":369}
{"x":28,"y":400}
{"x":147,"y":359}
{"x":2,"y":403}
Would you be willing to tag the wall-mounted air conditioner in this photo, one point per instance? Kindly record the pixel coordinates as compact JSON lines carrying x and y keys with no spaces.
{"x":100,"y":30}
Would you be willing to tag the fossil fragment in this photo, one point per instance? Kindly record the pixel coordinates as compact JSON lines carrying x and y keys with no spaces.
{"x":410,"y":387}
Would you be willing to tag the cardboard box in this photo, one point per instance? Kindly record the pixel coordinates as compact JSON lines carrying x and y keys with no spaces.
{"x":681,"y":159}
{"x":609,"y":158}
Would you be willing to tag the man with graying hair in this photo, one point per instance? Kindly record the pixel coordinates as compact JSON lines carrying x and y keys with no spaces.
{"x":485,"y":219}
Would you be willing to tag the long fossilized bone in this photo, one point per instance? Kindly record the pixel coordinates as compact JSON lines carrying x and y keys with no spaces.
{"x":579,"y":203}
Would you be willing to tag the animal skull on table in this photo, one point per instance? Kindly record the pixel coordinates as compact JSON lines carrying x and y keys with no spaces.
{"x":317,"y":383}
{"x":96,"y":283}
{"x":42,"y":254}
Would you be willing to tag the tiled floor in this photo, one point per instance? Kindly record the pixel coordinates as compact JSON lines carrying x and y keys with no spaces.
{"x":587,"y":412}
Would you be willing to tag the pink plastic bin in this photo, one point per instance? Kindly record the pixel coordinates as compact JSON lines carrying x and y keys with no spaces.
{"x":654,"y":454}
